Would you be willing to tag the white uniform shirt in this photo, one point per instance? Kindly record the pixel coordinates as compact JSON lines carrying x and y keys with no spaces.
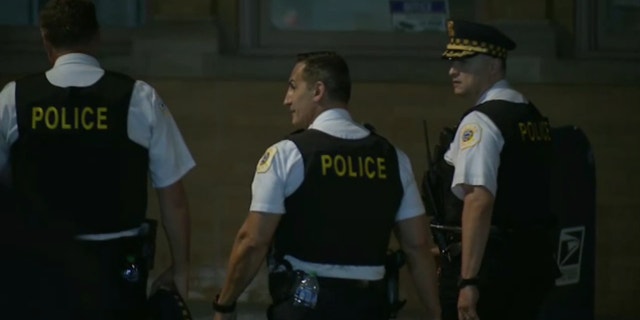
{"x":282,"y":173}
{"x":149,"y":122}
{"x":476,"y":147}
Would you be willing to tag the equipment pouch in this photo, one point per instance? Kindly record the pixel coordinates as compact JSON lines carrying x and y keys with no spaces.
{"x":395,"y":261}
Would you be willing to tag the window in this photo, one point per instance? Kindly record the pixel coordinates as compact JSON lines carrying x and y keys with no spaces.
{"x":370,"y":27}
{"x":609,"y":28}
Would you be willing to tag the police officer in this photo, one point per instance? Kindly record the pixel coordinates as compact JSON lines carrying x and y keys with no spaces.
{"x":79,"y":141}
{"x":329,"y":196}
{"x":501,"y":155}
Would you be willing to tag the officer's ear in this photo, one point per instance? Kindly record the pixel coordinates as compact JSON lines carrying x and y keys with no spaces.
{"x":319,"y":91}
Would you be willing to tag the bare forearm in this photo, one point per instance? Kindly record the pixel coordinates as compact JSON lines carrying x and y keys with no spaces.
{"x":246,"y":259}
{"x":174,"y":209}
{"x":423,"y":272}
{"x":476,"y":223}
{"x":177,"y":227}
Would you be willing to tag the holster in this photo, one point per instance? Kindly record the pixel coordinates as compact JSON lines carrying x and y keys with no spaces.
{"x":282,"y":282}
{"x":449,"y":244}
{"x":282,"y":286}
{"x":394,"y":261}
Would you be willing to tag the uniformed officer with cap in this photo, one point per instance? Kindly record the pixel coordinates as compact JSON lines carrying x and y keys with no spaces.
{"x":328,"y":197}
{"x":501,"y":155}
{"x":81,"y":143}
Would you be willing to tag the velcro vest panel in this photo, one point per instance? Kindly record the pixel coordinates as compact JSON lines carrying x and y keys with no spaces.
{"x":345,"y":209}
{"x":73,"y":164}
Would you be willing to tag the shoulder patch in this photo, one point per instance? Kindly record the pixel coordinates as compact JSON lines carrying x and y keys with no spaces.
{"x":265,"y":162}
{"x":470,"y":135}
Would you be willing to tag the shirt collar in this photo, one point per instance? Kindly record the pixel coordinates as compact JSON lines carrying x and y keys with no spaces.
{"x":76,"y":58}
{"x":330,"y":115}
{"x":501,"y":90}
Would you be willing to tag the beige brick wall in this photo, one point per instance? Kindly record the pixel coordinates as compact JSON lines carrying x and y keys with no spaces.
{"x":229,"y":124}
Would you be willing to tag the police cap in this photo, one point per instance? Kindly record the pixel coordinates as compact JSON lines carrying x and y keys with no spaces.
{"x":466,"y":39}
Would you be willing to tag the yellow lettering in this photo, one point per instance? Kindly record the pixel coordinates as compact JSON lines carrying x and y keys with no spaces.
{"x":326,"y":163}
{"x":530,"y":130}
{"x":37,"y":114}
{"x":65,"y":118}
{"x":65,"y":125}
{"x":535,"y":131}
{"x":345,"y":166}
{"x":350,"y":168}
{"x":76,"y":118}
{"x":370,"y":173}
{"x":51,"y":124}
{"x":102,"y":118}
{"x":85,"y":124}
{"x":523,"y":130}
{"x":340,"y":165}
{"x":381,"y":169}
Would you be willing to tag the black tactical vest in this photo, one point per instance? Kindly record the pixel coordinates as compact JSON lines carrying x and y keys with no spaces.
{"x":7,"y":200}
{"x":345,"y":208}
{"x":523,"y":196}
{"x":73,"y":164}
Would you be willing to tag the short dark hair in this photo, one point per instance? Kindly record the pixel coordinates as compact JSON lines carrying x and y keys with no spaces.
{"x":69,"y":23}
{"x":329,"y":68}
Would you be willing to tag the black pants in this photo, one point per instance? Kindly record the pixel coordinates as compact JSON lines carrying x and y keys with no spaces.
{"x":65,"y":279}
{"x":512,"y":286}
{"x":337,"y":300}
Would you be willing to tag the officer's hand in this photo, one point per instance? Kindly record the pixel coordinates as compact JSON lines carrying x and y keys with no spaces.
{"x":173,"y":279}
{"x":225,"y":316}
{"x":467,"y":302}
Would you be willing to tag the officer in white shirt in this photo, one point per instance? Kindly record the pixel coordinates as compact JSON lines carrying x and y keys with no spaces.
{"x":327,"y":198}
{"x":502,"y":155}
{"x":79,"y":142}
{"x":479,"y":165}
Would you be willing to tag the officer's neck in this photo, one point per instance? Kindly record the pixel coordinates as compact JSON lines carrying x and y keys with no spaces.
{"x":483,"y":88}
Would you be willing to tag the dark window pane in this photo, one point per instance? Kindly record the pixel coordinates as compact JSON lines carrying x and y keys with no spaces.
{"x":622,"y":17}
